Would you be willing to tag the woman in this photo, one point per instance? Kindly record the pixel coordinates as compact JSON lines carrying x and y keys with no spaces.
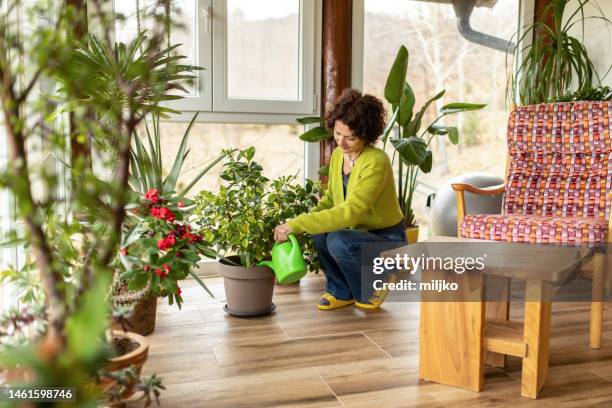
{"x":360,"y":205}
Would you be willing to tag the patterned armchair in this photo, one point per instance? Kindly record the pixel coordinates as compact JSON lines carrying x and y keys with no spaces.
{"x":557,"y":188}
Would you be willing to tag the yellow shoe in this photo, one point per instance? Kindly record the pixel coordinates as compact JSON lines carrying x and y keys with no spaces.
{"x":378,"y":297}
{"x":329,"y":301}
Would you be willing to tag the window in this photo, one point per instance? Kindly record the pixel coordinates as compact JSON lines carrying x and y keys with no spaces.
{"x":258,"y":57}
{"x":440,"y":58}
{"x":283,"y":156}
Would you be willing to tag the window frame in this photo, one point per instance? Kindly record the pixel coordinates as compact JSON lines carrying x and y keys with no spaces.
{"x":223,"y":103}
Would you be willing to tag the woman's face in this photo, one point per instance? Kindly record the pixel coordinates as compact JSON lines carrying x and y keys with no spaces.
{"x":346,"y":138}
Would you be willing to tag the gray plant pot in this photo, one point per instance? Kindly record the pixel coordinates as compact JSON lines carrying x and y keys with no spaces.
{"x":248,"y":291}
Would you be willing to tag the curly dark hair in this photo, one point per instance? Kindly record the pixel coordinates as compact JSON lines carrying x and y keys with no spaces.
{"x":363,"y":114}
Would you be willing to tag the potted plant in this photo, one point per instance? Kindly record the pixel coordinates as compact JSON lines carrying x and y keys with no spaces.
{"x":553,"y":63}
{"x":412,"y":137}
{"x":143,"y":249}
{"x":239,"y":220}
{"x":158,"y":250}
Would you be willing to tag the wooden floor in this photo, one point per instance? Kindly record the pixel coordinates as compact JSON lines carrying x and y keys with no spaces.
{"x":302,"y":357}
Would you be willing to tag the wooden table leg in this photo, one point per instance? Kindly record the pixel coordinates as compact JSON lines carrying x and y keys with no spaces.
{"x":451,"y":333}
{"x":536,"y":334}
{"x":497,"y":288}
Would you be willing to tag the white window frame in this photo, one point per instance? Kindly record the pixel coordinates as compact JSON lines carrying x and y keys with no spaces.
{"x":212,"y":101}
{"x":223,"y":103}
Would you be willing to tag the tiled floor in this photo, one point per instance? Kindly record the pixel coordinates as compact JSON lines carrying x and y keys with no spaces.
{"x":303,"y":357}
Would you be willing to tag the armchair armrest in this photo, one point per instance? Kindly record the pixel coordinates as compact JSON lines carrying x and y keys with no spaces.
{"x":461,"y":188}
{"x":493,"y":190}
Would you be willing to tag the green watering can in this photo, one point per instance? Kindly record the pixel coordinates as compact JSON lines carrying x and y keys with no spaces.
{"x":287,"y":261}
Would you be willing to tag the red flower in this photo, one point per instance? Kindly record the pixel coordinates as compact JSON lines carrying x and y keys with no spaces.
{"x":146,"y":268}
{"x":191,"y":237}
{"x":123,"y":251}
{"x":166,"y":243}
{"x":178,"y":291}
{"x":152,"y":195}
{"x":163,"y":271}
{"x":181,"y":204}
{"x":162,"y":213}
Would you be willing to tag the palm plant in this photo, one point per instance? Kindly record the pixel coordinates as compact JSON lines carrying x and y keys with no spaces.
{"x":99,"y":66}
{"x":555,"y":63}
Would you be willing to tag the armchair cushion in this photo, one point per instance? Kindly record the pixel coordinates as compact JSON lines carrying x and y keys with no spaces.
{"x":571,"y":231}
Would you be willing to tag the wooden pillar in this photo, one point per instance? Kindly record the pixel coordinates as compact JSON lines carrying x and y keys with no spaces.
{"x":336,"y":60}
{"x":541,"y":14}
{"x":79,"y":147}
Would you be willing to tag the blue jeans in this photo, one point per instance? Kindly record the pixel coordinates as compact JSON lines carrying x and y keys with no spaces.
{"x":340,"y":257}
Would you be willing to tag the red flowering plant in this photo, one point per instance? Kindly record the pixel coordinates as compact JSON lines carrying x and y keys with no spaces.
{"x":160,"y":246}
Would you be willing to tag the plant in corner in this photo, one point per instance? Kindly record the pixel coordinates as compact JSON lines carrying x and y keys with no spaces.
{"x":555,"y":63}
{"x":239,"y":220}
{"x":413,"y":137}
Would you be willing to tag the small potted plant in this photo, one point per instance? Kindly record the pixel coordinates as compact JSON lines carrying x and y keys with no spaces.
{"x":158,"y":250}
{"x":239,"y":220}
{"x":160,"y":217}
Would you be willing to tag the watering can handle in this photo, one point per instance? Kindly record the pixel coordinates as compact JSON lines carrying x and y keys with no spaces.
{"x":293,"y":239}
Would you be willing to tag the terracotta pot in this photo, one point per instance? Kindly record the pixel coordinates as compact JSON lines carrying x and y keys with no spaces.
{"x":412,"y":234}
{"x":248,"y":291}
{"x":134,"y":351}
{"x":144,"y":303}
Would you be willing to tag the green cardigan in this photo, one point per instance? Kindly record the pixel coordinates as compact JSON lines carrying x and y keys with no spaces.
{"x":371,"y":201}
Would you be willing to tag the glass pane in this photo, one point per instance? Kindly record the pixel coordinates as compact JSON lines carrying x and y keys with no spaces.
{"x":263,"y":49}
{"x":440,"y":58}
{"x":278,"y":150}
{"x":137,"y":15}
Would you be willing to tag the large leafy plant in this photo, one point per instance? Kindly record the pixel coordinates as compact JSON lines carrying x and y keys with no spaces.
{"x":413,"y":136}
{"x":240,"y":218}
{"x":73,"y":249}
{"x":555,"y":63}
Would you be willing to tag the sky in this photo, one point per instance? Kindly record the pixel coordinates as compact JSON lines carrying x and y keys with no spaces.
{"x":262,"y":9}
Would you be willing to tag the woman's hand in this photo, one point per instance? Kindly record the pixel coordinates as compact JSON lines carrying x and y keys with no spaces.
{"x":281,"y":232}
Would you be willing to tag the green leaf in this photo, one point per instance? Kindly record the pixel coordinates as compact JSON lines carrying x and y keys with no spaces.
{"x":309,"y":120}
{"x":85,"y":328}
{"x":427,"y":163}
{"x":453,"y":135}
{"x":249,"y":153}
{"x":415,"y":124}
{"x":170,"y":181}
{"x":406,"y":105}
{"x":315,"y":135}
{"x":451,"y":131}
{"x":412,"y":150}
{"x":394,"y":86}
{"x":389,"y":126}
{"x":199,"y":280}
{"x":139,"y":281}
{"x":461,"y":107}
